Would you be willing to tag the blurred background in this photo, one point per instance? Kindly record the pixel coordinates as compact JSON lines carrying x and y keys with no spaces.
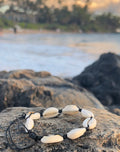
{"x":59,"y":36}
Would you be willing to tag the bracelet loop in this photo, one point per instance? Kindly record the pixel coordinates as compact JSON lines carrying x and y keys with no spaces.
{"x":51,"y":112}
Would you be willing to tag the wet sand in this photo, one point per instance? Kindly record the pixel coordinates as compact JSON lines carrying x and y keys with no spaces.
{"x":28,"y":31}
{"x":98,"y":48}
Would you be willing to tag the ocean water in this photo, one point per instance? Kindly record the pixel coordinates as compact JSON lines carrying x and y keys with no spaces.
{"x":62,"y":54}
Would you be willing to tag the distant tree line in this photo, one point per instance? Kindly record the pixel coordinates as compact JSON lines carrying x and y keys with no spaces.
{"x":77,"y":19}
{"x":80,"y":18}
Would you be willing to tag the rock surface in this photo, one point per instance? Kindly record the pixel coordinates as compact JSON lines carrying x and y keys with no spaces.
{"x":28,"y":88}
{"x":102,"y":78}
{"x":104,"y":138}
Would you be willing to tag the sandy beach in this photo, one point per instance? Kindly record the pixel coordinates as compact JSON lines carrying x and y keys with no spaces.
{"x":30,"y":31}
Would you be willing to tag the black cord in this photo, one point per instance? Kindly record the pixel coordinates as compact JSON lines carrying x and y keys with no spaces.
{"x":9,"y":137}
{"x":30,"y":133}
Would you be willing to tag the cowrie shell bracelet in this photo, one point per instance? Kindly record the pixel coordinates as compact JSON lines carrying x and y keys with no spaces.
{"x":51,"y":112}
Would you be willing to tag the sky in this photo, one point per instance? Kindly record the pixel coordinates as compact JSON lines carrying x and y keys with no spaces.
{"x":99,"y":6}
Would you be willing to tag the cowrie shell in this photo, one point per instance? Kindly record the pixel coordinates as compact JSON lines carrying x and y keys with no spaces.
{"x":90,"y":123}
{"x":51,"y":139}
{"x":35,"y":115}
{"x":29,"y":124}
{"x":70,"y":109}
{"x":50,"y":112}
{"x":86,"y":113}
{"x":76,"y":133}
{"x":28,"y":114}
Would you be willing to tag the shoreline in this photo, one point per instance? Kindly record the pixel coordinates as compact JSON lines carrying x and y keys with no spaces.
{"x":45,"y":31}
{"x":32,"y":31}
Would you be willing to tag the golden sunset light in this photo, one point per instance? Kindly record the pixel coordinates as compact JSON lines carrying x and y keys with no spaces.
{"x":96,"y":6}
{"x":60,"y":75}
{"x":107,"y":4}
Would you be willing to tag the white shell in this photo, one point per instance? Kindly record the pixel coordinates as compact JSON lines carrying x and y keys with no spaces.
{"x":76,"y":133}
{"x":29,"y":124}
{"x":90,"y":122}
{"x":35,"y":115}
{"x":85,"y":122}
{"x":50,"y":112}
{"x":51,"y":139}
{"x":70,"y":109}
{"x":86,"y":113}
{"x":28,"y":114}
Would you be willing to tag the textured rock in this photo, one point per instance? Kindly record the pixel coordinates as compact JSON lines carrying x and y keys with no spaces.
{"x":114,"y":109}
{"x":27,"y":74}
{"x":102,"y":78}
{"x":28,"y":88}
{"x":104,"y":138}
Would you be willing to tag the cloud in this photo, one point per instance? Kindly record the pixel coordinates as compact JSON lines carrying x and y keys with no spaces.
{"x":99,"y":6}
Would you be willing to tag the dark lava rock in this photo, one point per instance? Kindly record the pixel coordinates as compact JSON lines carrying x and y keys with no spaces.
{"x":28,"y":88}
{"x":102,"y":78}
